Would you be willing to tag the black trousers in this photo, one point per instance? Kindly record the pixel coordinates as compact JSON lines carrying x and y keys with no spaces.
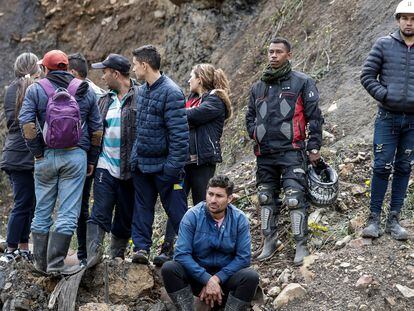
{"x":112,"y":196}
{"x":18,"y":227}
{"x":242,"y":284}
{"x":83,"y":218}
{"x":196,"y":180}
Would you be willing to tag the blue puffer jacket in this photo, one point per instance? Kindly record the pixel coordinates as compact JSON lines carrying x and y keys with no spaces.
{"x":34,"y":111}
{"x":388,"y":74}
{"x":202,"y":248}
{"x":161,"y":144}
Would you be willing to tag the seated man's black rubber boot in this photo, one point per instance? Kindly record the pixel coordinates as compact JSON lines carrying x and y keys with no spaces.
{"x":57,"y":249}
{"x":235,"y":304}
{"x":94,"y":238}
{"x":373,"y":228}
{"x":183,"y":299}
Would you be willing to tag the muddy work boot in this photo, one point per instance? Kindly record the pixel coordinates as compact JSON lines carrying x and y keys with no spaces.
{"x":94,"y":238}
{"x":118,"y":247}
{"x":40,"y":241}
{"x":299,"y":220}
{"x":394,"y":228}
{"x":166,"y":254}
{"x":57,"y":249}
{"x":373,"y":228}
{"x":141,"y":256}
{"x":183,"y":299}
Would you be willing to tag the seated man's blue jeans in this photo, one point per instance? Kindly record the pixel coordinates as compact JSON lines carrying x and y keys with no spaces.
{"x":59,"y":176}
{"x":393,"y":153}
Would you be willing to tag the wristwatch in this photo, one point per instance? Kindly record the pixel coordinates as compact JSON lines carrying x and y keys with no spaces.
{"x":314,"y":151}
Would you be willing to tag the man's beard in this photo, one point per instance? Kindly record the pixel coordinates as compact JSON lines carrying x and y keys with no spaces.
{"x":408,"y":35}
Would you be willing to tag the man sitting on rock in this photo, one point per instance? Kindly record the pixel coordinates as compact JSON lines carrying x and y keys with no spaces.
{"x":212,"y":253}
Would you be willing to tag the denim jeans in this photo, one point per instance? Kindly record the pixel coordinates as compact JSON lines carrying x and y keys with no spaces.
{"x":59,"y":176}
{"x":109,"y":194}
{"x":393,"y":153}
{"x":18,"y":227}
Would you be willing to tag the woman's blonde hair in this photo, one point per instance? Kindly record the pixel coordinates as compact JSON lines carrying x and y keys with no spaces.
{"x":214,"y":79}
{"x":25,"y":67}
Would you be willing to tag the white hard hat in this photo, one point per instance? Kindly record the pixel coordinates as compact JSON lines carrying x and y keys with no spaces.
{"x":405,"y":6}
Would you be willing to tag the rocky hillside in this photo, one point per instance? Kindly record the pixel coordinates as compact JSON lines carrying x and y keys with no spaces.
{"x":331,"y":39}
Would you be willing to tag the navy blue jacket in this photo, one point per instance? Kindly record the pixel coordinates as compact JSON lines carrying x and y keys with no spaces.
{"x":202,"y":247}
{"x":161,"y":144}
{"x":16,"y":156}
{"x":388,"y":74}
{"x":34,"y":110}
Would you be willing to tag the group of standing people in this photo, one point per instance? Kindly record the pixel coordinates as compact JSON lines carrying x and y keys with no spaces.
{"x":137,"y":142}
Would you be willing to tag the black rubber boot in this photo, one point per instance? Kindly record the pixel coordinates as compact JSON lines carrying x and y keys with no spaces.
{"x":183,"y":299}
{"x":166,"y":254}
{"x":118,"y":247}
{"x":373,"y":228}
{"x":57,"y":249}
{"x":299,"y":220}
{"x":40,"y":241}
{"x":94,"y":238}
{"x":394,"y":228}
{"x":235,"y":304}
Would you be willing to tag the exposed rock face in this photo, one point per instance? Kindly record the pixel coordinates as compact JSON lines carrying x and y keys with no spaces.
{"x":23,"y":289}
{"x":126,"y":281}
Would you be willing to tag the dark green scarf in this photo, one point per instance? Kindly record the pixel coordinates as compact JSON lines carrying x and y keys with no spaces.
{"x":271,"y":75}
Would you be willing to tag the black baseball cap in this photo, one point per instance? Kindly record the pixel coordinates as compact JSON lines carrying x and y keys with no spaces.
{"x":114,"y":61}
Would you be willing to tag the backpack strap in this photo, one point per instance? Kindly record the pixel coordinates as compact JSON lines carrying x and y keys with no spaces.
{"x":73,"y":86}
{"x":47,"y":86}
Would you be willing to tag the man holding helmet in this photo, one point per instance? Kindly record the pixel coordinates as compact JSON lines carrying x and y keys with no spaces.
{"x":282,"y":105}
{"x":388,"y":76}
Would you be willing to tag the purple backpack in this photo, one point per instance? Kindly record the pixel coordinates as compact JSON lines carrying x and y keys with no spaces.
{"x":63,"y":128}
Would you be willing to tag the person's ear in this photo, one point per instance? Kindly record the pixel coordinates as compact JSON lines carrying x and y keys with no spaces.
{"x":229,"y":199}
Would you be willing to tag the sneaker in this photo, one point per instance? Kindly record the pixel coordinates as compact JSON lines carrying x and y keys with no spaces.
{"x":9,"y":256}
{"x":140,"y":256}
{"x":26,"y":255}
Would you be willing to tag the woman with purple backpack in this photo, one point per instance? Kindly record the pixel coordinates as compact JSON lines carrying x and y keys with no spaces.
{"x":17,"y":161}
